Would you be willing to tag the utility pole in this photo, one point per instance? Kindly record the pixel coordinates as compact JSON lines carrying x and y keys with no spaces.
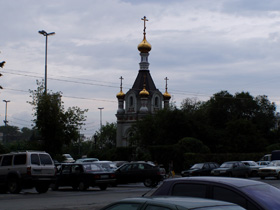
{"x":5,"y":121}
{"x":6,"y":109}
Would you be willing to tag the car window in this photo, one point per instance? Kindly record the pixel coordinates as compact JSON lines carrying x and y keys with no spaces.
{"x":147,"y":166}
{"x":35,"y":159}
{"x":220,"y":193}
{"x":126,"y":167}
{"x":7,"y":160}
{"x":154,"y":207}
{"x":45,"y":159}
{"x":93,"y":167}
{"x":206,"y":165}
{"x":124,"y":206}
{"x":0,"y":158}
{"x":66,"y":170}
{"x":20,"y":159}
{"x":193,"y":190}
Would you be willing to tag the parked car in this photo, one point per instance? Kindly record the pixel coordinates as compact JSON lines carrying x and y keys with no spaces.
{"x":81,"y":176}
{"x":68,"y":158}
{"x":108,"y":165}
{"x":253,"y":167}
{"x":170,"y":203}
{"x":232,"y":168}
{"x":271,"y":170}
{"x":135,"y":172}
{"x":200,"y":169}
{"x":23,"y":170}
{"x":250,"y":194}
{"x":86,"y":160}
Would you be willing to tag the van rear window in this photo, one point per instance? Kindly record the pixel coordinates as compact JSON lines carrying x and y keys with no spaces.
{"x":45,"y":159}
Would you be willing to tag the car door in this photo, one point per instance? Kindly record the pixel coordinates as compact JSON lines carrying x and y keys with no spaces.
{"x":64,"y":178}
{"x":123,"y":174}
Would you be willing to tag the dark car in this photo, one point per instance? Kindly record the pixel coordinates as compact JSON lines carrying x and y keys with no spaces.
{"x":171,"y":203}
{"x":81,"y":176}
{"x":232,"y":168}
{"x":200,"y":169}
{"x":135,"y":172}
{"x":250,"y":194}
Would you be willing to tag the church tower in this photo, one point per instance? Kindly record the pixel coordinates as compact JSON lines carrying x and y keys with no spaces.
{"x":142,"y":99}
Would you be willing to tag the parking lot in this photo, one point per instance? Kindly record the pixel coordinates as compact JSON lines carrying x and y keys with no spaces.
{"x":68,"y":199}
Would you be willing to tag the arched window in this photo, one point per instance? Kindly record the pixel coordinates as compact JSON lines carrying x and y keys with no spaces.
{"x":156,"y":102}
{"x":130,"y":101}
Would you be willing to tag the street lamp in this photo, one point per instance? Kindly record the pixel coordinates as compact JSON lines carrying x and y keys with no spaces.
{"x":6,"y":121}
{"x":100,"y":108}
{"x":44,"y":33}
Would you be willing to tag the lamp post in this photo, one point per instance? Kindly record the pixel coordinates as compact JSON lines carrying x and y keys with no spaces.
{"x":44,"y":33}
{"x":5,"y":121}
{"x":6,"y":109}
{"x":100,"y":108}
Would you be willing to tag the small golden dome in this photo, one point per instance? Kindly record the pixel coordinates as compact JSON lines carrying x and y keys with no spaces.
{"x":144,"y":92}
{"x":120,"y":95}
{"x":166,"y":95}
{"x":144,"y":46}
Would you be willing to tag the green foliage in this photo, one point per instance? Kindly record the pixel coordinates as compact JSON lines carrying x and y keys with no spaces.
{"x":224,"y":123}
{"x":272,"y":147}
{"x":56,"y":126}
{"x":189,"y":144}
{"x":105,"y":138}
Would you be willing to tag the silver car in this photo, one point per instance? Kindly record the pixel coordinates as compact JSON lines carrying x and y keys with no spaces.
{"x":271,"y":170}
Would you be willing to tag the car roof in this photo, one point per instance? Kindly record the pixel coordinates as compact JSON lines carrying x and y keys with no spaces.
{"x":236,"y":182}
{"x":187,"y":202}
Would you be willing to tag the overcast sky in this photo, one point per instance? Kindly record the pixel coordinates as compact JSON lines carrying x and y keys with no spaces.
{"x":202,"y":46}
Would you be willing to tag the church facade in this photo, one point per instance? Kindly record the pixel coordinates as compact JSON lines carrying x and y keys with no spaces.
{"x":142,"y":99}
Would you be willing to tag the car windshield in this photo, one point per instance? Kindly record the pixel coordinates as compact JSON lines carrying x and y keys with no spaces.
{"x":267,"y":195}
{"x":226,"y":165}
{"x":274,"y":163}
{"x":93,"y":167}
{"x":197,"y":166}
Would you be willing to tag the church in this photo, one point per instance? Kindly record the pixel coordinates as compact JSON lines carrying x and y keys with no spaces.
{"x":142,"y":99}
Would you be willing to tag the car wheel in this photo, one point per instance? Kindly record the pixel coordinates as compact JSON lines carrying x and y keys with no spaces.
{"x":14,"y":186}
{"x":42,"y":188}
{"x":262,"y":177}
{"x":230,"y":174}
{"x":278,"y":176}
{"x":246,"y":175}
{"x":103,"y":186}
{"x":82,"y":186}
{"x":254,"y":173}
{"x":148,"y":182}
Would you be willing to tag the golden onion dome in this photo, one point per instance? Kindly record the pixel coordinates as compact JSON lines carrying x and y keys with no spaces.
{"x":120,"y":95}
{"x":144,"y":92}
{"x":144,"y":46}
{"x":166,"y":95}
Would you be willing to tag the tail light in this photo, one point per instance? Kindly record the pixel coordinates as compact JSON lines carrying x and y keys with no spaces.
{"x":28,"y":170}
{"x":113,"y":175}
{"x":97,"y":176}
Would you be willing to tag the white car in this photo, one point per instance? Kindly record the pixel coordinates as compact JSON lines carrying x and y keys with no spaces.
{"x":271,"y":170}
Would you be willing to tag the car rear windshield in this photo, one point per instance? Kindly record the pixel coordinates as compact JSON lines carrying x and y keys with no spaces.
{"x":93,"y":167}
{"x":267,"y":195}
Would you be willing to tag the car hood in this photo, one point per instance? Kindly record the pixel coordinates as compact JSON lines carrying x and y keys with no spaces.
{"x":270,"y":167}
{"x":221,"y":169}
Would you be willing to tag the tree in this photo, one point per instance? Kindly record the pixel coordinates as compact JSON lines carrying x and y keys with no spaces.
{"x":57,"y":126}
{"x":105,"y":138}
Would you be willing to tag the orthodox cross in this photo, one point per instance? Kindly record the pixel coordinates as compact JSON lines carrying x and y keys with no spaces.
{"x":121,"y":78}
{"x":144,"y":19}
{"x":166,"y":83}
